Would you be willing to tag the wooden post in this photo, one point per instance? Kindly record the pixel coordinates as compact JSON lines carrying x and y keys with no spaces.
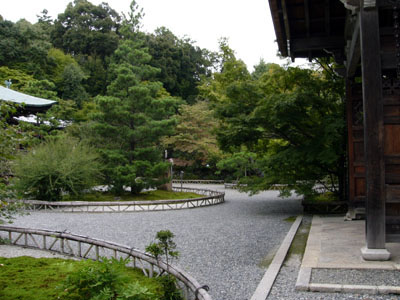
{"x":373,"y":131}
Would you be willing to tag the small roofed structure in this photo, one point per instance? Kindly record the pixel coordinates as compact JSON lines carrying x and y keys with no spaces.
{"x":30,"y":104}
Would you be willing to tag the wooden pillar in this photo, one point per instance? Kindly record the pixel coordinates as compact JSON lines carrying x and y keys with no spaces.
{"x":373,"y":127}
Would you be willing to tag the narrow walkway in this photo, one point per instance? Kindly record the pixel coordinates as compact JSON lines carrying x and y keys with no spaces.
{"x":332,"y":267}
{"x":226,"y":246}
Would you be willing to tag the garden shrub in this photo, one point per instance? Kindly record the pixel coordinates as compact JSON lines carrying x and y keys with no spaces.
{"x":57,"y":166}
{"x":109,"y":279}
{"x":104,"y":280}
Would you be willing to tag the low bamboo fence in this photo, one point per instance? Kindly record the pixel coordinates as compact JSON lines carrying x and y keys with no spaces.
{"x":84,"y":247}
{"x":198,"y":181}
{"x":210,"y":198}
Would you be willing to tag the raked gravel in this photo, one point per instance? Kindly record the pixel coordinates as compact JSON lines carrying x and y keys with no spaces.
{"x":222,"y":246}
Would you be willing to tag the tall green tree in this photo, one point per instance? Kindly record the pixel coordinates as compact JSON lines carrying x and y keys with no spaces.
{"x":182,"y":64}
{"x":133,"y":116}
{"x":291,"y":118}
{"x":194,"y":138}
{"x":90,"y":33}
{"x":24,"y":46}
{"x":84,"y":28}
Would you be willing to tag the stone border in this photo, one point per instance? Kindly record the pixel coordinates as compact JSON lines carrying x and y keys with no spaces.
{"x":211,"y":198}
{"x":266,"y":283}
{"x":84,"y":247}
{"x":310,"y":262}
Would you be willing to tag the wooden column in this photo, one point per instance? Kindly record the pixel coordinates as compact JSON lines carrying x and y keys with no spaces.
{"x":373,"y":125}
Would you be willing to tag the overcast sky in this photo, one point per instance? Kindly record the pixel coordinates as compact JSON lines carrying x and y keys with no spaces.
{"x":247,"y":24}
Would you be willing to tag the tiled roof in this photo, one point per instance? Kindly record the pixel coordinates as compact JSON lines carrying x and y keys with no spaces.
{"x":17,"y":97}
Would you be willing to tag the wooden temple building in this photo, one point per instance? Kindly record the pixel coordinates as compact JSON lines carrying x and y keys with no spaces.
{"x":364,"y":37}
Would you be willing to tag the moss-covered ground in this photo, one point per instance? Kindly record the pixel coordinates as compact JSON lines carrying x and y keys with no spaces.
{"x":27,"y":278}
{"x":299,"y":242}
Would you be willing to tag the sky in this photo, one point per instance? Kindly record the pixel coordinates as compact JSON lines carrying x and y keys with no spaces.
{"x":247,"y":24}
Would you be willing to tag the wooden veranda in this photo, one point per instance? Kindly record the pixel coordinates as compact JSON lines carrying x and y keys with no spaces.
{"x":364,"y":37}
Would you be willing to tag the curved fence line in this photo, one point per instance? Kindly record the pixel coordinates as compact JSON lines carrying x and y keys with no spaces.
{"x":211,"y":198}
{"x":198,"y":181}
{"x":89,"y":248}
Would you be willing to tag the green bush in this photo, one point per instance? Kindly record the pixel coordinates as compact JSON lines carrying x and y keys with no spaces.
{"x":104,"y":280}
{"x":57,"y":166}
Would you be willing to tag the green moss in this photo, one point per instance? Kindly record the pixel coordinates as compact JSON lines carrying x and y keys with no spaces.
{"x":26,"y":278}
{"x":290,"y":219}
{"x":145,"y":196}
{"x":322,"y":198}
{"x":299,"y":242}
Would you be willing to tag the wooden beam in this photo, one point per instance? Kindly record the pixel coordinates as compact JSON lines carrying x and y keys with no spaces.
{"x":307,"y":16}
{"x":317,"y":43}
{"x":287,"y":28}
{"x":353,"y":53}
{"x":279,"y":31}
{"x":327,"y":17}
{"x":350,"y":138}
{"x":373,"y":125}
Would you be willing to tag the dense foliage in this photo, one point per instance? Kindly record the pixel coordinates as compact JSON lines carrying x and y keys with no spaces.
{"x":107,"y":279}
{"x":132,"y":95}
{"x":119,"y":87}
{"x":10,"y":138}
{"x":290,"y":119}
{"x":57,"y":166}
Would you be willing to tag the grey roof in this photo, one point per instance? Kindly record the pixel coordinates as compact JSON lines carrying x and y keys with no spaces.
{"x":17,"y":97}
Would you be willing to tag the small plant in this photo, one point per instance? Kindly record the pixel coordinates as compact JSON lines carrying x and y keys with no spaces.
{"x":165,"y":246}
{"x":4,"y":241}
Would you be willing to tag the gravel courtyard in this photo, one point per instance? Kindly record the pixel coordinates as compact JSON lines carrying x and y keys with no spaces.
{"x":223,"y":246}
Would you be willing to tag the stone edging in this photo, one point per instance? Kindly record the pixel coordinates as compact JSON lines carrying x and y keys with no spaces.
{"x":265,"y":285}
{"x":304,"y":284}
{"x":304,"y":277}
{"x":211,"y":198}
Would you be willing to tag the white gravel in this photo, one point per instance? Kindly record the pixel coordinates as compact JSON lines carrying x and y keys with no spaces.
{"x":222,"y":246}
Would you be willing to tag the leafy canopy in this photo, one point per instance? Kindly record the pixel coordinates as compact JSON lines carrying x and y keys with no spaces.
{"x":291,"y":118}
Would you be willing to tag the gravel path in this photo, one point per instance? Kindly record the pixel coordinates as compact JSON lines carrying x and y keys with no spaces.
{"x":223,"y":246}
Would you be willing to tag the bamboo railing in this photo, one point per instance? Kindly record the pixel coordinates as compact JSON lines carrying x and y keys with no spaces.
{"x":210,"y":198}
{"x":198,"y":181}
{"x":89,"y":248}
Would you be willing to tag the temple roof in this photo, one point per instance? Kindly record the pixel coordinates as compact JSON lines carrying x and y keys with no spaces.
{"x":309,"y":28}
{"x":31,"y":102}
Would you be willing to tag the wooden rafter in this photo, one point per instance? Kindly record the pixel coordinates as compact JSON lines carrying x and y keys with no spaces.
{"x":287,"y":28}
{"x":327,"y":17}
{"x":353,"y":53}
{"x":307,"y":16}
{"x":317,"y":43}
